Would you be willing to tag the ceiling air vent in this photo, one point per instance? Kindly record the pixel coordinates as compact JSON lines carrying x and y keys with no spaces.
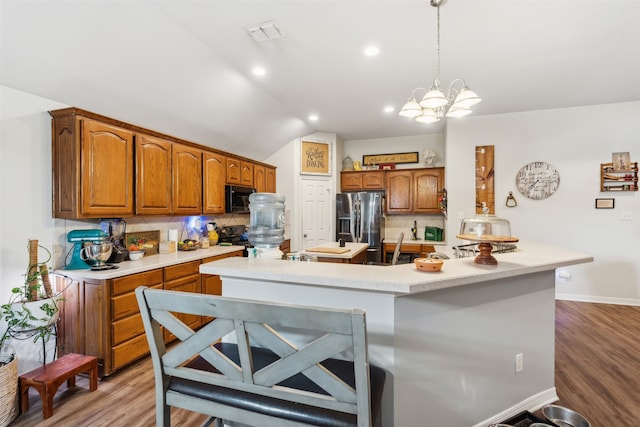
{"x":265,"y":31}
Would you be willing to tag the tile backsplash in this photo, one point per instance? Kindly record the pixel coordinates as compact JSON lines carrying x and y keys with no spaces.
{"x":396,"y":224}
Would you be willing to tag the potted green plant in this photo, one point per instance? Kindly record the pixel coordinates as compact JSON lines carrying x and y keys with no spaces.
{"x":31,"y":311}
{"x":33,"y":307}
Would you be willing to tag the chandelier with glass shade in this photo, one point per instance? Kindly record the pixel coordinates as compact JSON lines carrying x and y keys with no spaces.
{"x":435,"y":104}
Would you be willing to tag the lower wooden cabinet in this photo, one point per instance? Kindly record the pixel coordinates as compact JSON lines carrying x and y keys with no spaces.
{"x":101,"y":317}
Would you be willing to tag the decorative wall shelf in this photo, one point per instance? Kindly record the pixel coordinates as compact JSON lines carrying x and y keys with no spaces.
{"x":618,"y":179}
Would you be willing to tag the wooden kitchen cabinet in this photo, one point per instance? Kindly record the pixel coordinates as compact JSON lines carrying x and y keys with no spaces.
{"x":270,"y":186}
{"x":414,"y":190}
{"x":239,"y":172}
{"x":92,"y":165}
{"x":399,"y":186}
{"x":101,"y":317}
{"x":259,"y":178}
{"x":153,"y":175}
{"x":214,"y":167}
{"x":212,"y":283}
{"x":187,"y":180}
{"x":428,"y":186}
{"x":233,"y":171}
{"x":415,"y":250}
{"x":183,"y":277}
{"x":362,"y":180}
{"x":246,"y":174}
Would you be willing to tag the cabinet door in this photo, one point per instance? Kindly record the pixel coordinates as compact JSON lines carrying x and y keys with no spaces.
{"x":350,"y":181}
{"x":259,"y":178}
{"x":246,"y":174}
{"x":399,"y":192}
{"x":106,"y":170}
{"x":213,"y":180}
{"x":373,"y":180}
{"x":428,"y":185}
{"x":187,"y":180}
{"x":186,"y":284}
{"x":153,"y":175}
{"x":233,"y":171}
{"x":270,"y":180}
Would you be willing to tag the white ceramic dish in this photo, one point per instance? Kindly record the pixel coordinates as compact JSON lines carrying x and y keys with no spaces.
{"x":136,"y":255}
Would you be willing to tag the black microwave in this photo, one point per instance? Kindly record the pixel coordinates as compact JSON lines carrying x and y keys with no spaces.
{"x":237,"y":198}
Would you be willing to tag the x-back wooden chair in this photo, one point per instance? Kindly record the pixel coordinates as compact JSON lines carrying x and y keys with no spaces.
{"x":261,"y":364}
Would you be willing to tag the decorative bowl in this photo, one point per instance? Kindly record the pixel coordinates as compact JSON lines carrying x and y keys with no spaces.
{"x":136,"y":255}
{"x":428,"y":264}
{"x":564,"y":417}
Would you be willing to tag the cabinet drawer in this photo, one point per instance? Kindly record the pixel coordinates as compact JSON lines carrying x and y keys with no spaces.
{"x":223,"y":256}
{"x":127,"y":328}
{"x":181,"y":270}
{"x":126,"y":305}
{"x":129,"y":351}
{"x":123,"y":285}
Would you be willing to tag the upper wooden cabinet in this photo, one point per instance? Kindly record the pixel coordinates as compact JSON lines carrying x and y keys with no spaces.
{"x":414,"y":190}
{"x":428,"y":186}
{"x":187,"y":180}
{"x":259,"y":178}
{"x":105,"y":168}
{"x":153,"y":175}
{"x":92,"y":167}
{"x":270,"y":186}
{"x":239,"y":172}
{"x":399,"y":188}
{"x":214,"y":168}
{"x":362,"y":180}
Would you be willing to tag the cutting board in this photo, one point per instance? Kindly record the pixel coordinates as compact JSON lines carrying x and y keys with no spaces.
{"x":329,"y":250}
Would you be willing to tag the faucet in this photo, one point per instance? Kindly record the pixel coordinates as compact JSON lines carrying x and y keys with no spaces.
{"x":437,"y":255}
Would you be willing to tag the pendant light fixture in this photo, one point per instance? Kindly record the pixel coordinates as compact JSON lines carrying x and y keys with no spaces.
{"x":435,"y":104}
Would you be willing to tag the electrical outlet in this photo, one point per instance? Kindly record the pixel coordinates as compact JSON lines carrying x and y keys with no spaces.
{"x":627,"y":215}
{"x":519,"y":362}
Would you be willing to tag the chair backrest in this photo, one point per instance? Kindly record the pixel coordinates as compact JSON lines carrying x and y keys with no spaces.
{"x":396,"y":252}
{"x":300,"y":338}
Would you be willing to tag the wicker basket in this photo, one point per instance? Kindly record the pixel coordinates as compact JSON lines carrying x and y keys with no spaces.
{"x":8,"y":392}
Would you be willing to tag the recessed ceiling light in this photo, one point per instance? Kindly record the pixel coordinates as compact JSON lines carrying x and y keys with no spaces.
{"x":371,"y":51}
{"x":259,"y":71}
{"x":389,"y":109}
{"x":313,"y":117}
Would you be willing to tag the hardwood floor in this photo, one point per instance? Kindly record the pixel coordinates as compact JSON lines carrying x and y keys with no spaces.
{"x":598,"y":362}
{"x":597,"y":374}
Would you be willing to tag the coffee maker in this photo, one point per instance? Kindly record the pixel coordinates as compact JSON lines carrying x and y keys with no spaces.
{"x":115,"y":229}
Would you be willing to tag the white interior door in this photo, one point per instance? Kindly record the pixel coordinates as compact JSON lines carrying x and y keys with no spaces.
{"x":317,"y":211}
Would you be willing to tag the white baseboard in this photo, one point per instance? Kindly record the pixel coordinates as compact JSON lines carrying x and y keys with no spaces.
{"x":530,"y":404}
{"x":599,"y":300}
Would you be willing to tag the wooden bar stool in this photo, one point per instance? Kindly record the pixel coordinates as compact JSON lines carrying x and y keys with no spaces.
{"x":46,"y":379}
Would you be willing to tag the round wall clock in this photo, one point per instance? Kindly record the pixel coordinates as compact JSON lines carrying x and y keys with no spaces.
{"x":537,"y":180}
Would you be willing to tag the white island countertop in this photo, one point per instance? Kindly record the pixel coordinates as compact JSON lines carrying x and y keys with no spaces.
{"x":353,"y":250}
{"x":149,"y":262}
{"x":401,"y":279}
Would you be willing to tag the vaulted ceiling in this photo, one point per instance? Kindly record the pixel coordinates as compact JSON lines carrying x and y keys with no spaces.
{"x":185,"y":67}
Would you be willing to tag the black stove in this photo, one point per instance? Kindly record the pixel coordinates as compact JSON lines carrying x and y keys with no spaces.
{"x":236,"y":235}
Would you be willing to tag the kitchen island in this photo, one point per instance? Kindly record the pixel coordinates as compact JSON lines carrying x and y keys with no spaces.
{"x":449,"y":339}
{"x":351,"y":253}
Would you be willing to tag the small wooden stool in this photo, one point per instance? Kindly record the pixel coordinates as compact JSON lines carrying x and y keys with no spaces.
{"x":46,"y":379}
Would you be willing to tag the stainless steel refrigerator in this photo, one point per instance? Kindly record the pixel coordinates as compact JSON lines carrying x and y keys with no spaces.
{"x":359,"y":218}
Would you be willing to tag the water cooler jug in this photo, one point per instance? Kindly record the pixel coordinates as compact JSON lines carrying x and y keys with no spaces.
{"x":267,"y":224}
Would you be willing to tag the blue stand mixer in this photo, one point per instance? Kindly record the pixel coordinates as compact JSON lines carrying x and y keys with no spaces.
{"x":79,"y":238}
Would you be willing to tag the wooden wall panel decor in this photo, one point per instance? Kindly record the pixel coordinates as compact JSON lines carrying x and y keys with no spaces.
{"x":485,"y":179}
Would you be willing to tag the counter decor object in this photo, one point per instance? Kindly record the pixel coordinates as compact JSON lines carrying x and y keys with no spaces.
{"x":428,"y":264}
{"x":136,"y":255}
{"x":486,"y":230}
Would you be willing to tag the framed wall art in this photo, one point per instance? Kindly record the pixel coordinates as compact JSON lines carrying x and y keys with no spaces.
{"x":605,"y":203}
{"x":315,"y":158}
